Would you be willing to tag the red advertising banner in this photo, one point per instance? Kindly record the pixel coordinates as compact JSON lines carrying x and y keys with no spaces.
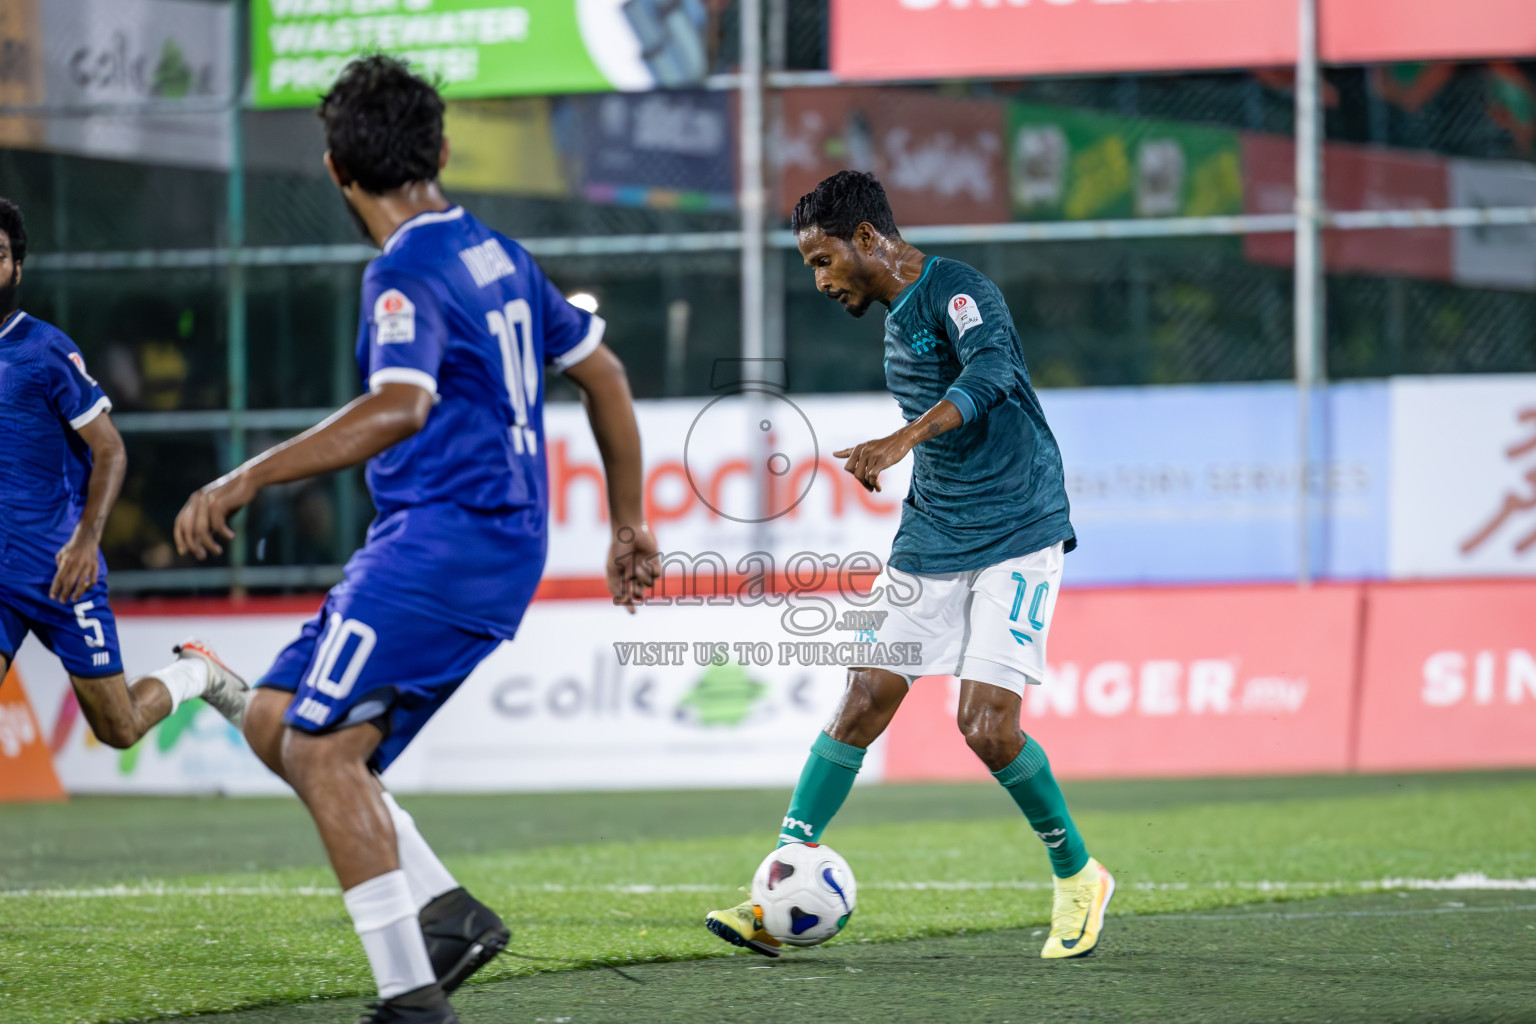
{"x":909,"y":39}
{"x":1354,"y":178}
{"x":1170,"y":682}
{"x":1362,"y":31}
{"x":914,"y":39}
{"x":1450,"y":677}
{"x":940,"y":159}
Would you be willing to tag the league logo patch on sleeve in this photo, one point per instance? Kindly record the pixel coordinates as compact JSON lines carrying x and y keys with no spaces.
{"x":964,"y":312}
{"x":395,"y":317}
{"x":79,"y":362}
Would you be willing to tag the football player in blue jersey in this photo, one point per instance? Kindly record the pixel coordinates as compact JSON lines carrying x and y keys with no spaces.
{"x":457,"y":326}
{"x":61,"y":466}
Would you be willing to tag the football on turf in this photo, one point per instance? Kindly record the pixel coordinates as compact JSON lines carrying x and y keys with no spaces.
{"x":805,"y":892}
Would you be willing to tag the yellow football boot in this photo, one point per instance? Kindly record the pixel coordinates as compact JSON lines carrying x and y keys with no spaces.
{"x":743,"y":926}
{"x":1077,"y":912}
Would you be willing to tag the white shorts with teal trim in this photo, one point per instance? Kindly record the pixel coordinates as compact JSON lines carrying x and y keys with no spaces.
{"x":987,"y":625}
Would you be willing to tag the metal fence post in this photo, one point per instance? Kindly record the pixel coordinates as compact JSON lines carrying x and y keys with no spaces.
{"x":1308,"y":269}
{"x":236,"y":285}
{"x":754,"y":234}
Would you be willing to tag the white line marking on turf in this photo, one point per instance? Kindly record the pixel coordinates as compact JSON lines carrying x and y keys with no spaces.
{"x":129,"y":891}
{"x":1467,"y":881}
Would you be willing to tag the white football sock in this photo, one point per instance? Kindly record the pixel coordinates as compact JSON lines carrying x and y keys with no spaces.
{"x":384,"y":917}
{"x":183,"y":679}
{"x":425,"y":873}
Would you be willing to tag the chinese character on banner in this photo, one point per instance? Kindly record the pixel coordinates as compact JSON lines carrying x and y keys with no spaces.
{"x":1514,"y":502}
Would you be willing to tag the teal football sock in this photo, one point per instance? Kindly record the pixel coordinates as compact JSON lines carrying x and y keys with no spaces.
{"x":824,"y":784}
{"x":1029,"y":781}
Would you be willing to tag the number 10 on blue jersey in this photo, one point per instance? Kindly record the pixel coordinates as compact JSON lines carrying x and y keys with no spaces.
{"x":513,"y":327}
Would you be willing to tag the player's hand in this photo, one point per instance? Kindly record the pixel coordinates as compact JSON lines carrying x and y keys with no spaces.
{"x":78,"y":567}
{"x":205,"y":517}
{"x":866,"y":461}
{"x":633,"y":565}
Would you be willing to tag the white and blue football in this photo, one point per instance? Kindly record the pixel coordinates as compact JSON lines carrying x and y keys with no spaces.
{"x":805,"y":893}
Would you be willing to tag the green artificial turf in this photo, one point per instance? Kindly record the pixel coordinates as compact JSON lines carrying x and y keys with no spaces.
{"x":1396,"y":957}
{"x":145,"y":909}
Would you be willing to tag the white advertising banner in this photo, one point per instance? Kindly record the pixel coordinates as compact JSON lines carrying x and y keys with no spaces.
{"x":587,"y":697}
{"x":131,"y":52}
{"x":1463,"y":476}
{"x":707,"y":458}
{"x":195,"y":750}
{"x":1488,"y":256}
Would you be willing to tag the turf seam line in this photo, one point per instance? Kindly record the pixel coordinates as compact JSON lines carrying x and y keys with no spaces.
{"x":573,"y":962}
{"x":1303,"y":915}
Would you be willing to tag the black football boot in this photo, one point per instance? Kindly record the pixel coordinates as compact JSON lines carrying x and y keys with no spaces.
{"x":463,"y":935}
{"x":425,"y":1005}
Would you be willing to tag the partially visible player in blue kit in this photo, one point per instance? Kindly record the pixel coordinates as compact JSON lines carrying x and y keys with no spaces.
{"x":458,"y":324}
{"x":61,"y":466}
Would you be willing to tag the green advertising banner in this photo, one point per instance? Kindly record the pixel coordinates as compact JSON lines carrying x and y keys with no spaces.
{"x":478,"y":48}
{"x":1075,"y":165}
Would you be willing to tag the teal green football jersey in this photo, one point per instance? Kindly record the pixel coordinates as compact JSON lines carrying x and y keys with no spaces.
{"x":991,"y":489}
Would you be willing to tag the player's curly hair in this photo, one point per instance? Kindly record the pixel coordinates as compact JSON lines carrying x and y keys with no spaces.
{"x":841,"y":203}
{"x":15,"y":227}
{"x":383,"y":124}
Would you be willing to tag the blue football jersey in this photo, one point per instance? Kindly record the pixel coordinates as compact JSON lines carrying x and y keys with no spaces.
{"x":46,"y":395}
{"x":455,"y":308}
{"x":466,"y":313}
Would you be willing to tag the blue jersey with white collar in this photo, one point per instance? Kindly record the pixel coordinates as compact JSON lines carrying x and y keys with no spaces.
{"x":464,"y":312}
{"x":46,"y":396}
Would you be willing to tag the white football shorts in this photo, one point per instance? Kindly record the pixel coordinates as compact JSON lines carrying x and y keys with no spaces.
{"x":988,"y":625}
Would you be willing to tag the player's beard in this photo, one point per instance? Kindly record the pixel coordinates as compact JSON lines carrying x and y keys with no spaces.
{"x":357,"y":218}
{"x":8,"y":294}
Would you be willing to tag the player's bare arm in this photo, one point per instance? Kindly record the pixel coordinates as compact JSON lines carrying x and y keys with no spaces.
{"x":78,"y":563}
{"x":354,"y":434}
{"x":604,"y":386}
{"x":868,"y":460}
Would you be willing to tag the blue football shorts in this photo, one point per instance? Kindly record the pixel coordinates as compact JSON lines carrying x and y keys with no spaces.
{"x":83,"y":633}
{"x":361,"y":659}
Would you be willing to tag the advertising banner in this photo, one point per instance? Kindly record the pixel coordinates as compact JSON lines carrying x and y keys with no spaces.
{"x":907,"y":39}
{"x":663,"y":150}
{"x":479,"y":48}
{"x":729,"y":691}
{"x":1463,"y":456}
{"x":193,"y":751}
{"x":940,"y":159}
{"x":26,"y":766}
{"x":1167,"y":484}
{"x":1074,"y":165}
{"x":1199,"y":483}
{"x":503,"y":147}
{"x":1354,"y":178}
{"x":699,"y":478}
{"x":1493,"y":256}
{"x":1450,"y":677}
{"x":587,"y":697}
{"x":1168,"y":683}
{"x":126,"y":52}
{"x":1369,"y":31}
{"x":21,"y":73}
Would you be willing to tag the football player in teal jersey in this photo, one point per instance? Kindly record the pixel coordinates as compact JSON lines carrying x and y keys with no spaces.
{"x":983,"y":532}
